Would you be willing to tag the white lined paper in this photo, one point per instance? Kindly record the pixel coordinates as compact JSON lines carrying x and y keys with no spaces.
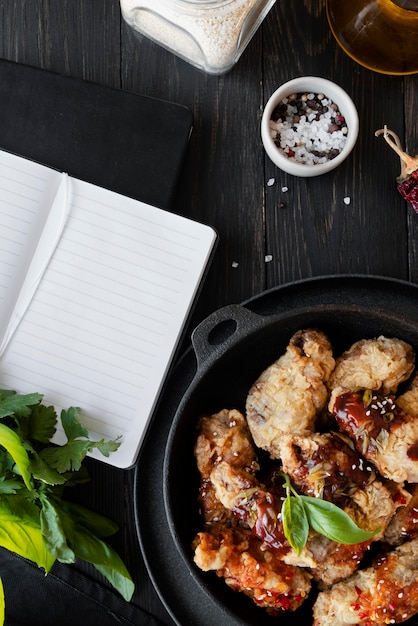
{"x":105,"y":319}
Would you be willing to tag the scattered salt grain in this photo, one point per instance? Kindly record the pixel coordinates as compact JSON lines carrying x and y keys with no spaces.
{"x":347,"y":200}
{"x":284,"y":189}
{"x":271,"y":182}
{"x":235,"y":264}
{"x":308,"y":128}
{"x":268,"y":258}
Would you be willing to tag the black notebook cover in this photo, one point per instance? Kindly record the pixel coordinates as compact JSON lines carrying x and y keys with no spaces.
{"x":129,"y":143}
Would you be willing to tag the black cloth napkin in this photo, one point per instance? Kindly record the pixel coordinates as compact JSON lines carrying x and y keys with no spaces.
{"x":64,"y":597}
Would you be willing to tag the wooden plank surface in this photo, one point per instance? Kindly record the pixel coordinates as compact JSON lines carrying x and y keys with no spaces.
{"x":225,"y":178}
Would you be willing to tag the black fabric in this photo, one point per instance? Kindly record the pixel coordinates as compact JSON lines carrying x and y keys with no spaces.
{"x":64,"y":597}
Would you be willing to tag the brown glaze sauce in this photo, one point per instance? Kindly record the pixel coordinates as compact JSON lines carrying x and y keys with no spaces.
{"x":357,"y":417}
{"x":262,"y":513}
{"x":344,"y":466}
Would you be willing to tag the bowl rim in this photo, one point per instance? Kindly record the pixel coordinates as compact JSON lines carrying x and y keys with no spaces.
{"x":337,"y":94}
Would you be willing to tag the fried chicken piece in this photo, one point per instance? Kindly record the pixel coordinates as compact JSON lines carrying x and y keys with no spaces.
{"x":404,"y":524}
{"x":291,"y":392}
{"x":260,"y":509}
{"x":382,"y":432}
{"x":223,"y":436}
{"x":379,"y":364}
{"x":237,"y":556}
{"x":232,"y":551}
{"x":408,"y":401}
{"x":386,"y":593}
{"x":325,"y":466}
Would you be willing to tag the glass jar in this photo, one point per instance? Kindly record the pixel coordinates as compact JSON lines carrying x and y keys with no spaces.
{"x":381,"y":35}
{"x":209,"y":34}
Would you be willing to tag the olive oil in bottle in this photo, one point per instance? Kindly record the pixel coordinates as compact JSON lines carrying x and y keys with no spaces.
{"x":381,"y":35}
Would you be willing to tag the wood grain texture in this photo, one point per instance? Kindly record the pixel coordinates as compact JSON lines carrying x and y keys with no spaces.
{"x":316,"y":233}
{"x":228,"y":181}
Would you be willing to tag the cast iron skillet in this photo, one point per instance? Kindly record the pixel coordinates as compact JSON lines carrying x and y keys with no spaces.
{"x":229,"y":350}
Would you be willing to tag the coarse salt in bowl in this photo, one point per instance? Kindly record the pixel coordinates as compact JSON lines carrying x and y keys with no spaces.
{"x":309,"y":126}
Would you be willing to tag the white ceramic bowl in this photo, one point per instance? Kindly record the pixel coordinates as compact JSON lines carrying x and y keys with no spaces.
{"x":316,"y":85}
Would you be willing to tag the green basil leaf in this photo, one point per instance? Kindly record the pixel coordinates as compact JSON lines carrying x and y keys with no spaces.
{"x":332,"y":522}
{"x":53,"y":532}
{"x":295,"y":523}
{"x":98,"y":524}
{"x":14,"y":446}
{"x":95,"y":551}
{"x":18,"y":506}
{"x":26,"y":541}
{"x":2,"y":604}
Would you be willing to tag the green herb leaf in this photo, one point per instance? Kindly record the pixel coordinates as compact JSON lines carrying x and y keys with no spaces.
{"x":24,"y":539}
{"x":53,"y":532}
{"x":73,"y":428}
{"x":2,"y":604}
{"x":96,"y":523}
{"x":295,"y":523}
{"x":19,"y":506}
{"x":14,"y":446}
{"x":35,"y":522}
{"x":42,"y":424}
{"x":9,"y":486}
{"x":42,"y":471}
{"x":105,"y":560}
{"x":106,"y":447}
{"x":299,"y":512}
{"x":11,"y":402}
{"x":332,"y":522}
{"x":68,"y":457}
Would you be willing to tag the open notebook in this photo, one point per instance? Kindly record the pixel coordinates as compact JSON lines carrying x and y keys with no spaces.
{"x":95,"y":290}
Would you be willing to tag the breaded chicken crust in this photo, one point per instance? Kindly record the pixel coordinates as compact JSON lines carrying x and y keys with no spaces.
{"x":291,"y":392}
{"x":236,"y":555}
{"x":381,"y":431}
{"x":404,"y":524}
{"x":222,"y":437}
{"x":386,"y":593}
{"x":408,"y":401}
{"x":379,"y":364}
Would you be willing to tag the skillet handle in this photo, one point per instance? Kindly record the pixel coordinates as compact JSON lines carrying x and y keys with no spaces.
{"x":217,"y":332}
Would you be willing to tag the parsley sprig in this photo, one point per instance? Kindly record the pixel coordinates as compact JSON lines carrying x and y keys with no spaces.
{"x":36,"y":522}
{"x":300,"y":512}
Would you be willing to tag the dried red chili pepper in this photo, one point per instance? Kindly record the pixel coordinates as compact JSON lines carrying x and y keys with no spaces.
{"x":408,"y":178}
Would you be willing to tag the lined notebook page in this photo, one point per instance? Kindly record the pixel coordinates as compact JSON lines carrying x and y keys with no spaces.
{"x":27,"y":191}
{"x":104,"y":322}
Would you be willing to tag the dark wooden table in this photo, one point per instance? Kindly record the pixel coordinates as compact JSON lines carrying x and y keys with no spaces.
{"x":308,"y":230}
